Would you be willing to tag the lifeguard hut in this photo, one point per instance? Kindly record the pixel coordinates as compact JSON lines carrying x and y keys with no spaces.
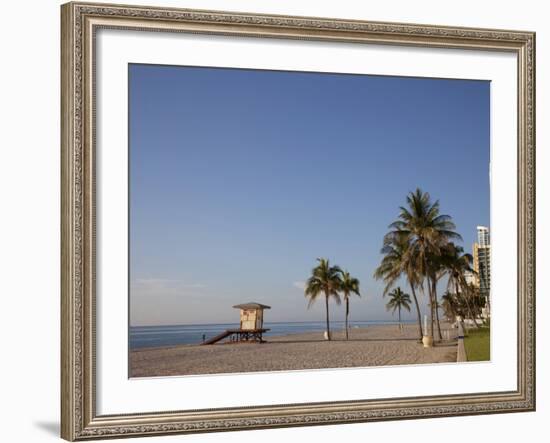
{"x":252,"y":315}
{"x":251,"y":327}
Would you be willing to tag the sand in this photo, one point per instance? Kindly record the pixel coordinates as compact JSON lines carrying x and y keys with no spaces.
{"x":379,"y":345}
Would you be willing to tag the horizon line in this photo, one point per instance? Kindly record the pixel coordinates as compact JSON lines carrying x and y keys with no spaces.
{"x":271,"y":322}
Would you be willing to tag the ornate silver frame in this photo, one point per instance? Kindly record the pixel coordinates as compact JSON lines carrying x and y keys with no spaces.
{"x":80,"y":21}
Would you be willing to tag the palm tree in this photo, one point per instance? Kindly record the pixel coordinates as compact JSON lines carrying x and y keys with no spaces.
{"x":456,"y":264}
{"x":325,"y":280}
{"x":476,"y":301}
{"x":398,"y":300}
{"x":398,"y":260}
{"x":348,"y":285}
{"x":428,"y":231}
{"x":450,"y":306}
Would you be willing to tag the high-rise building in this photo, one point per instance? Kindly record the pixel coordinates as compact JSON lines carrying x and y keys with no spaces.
{"x":483,"y":236}
{"x":482,"y":261}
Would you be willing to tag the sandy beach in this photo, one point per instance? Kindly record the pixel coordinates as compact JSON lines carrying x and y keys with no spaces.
{"x":379,"y":345}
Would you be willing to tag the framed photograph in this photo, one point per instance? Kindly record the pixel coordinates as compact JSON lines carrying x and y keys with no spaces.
{"x":277,"y":221}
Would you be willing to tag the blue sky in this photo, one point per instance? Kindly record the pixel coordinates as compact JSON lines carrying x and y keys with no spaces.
{"x":240,"y":179}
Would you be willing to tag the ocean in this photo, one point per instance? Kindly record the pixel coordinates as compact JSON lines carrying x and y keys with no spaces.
{"x":159,"y":336}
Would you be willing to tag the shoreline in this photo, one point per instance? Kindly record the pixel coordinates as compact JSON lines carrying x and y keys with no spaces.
{"x":271,"y":326}
{"x":374,"y":345}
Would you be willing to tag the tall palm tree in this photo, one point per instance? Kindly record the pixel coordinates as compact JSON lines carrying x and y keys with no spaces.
{"x":428,"y":231}
{"x":348,"y":285}
{"x":325,"y":280}
{"x":398,"y":300}
{"x":456,"y":263}
{"x":398,"y":260}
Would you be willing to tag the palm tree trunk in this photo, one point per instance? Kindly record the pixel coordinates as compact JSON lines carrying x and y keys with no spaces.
{"x":417,"y":311}
{"x":399,"y":315}
{"x":437,"y":319}
{"x":347,"y":315}
{"x":431,"y":303}
{"x":430,"y":296}
{"x":474,"y":315}
{"x":434,"y":285}
{"x":328,"y":325}
{"x":465,"y":298}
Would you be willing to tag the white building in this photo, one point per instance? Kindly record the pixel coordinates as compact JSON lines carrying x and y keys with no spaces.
{"x":483,"y":236}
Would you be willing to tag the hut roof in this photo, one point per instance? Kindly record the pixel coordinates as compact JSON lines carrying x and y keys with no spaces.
{"x":252,"y":305}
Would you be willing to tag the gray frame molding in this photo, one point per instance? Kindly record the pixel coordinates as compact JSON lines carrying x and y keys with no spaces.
{"x":79,"y":420}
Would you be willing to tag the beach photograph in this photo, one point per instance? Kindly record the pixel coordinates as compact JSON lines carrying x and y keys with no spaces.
{"x":284,"y":221}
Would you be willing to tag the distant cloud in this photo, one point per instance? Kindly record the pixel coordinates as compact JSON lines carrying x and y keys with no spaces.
{"x":163,"y":286}
{"x":166,"y":282}
{"x":299,"y":284}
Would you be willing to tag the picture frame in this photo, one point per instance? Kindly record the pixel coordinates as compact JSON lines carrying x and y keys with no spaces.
{"x":80,"y":22}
